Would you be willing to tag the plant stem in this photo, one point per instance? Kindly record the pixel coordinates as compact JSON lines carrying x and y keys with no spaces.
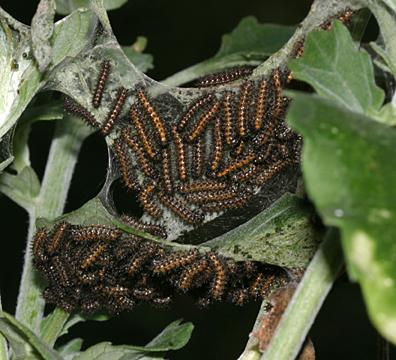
{"x":3,"y":343}
{"x":68,"y":138}
{"x":307,"y":300}
{"x":54,"y":326}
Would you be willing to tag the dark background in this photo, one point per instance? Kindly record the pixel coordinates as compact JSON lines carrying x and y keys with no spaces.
{"x":180,"y":33}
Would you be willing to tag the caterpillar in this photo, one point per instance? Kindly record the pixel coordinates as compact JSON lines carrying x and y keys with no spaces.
{"x":137,"y":123}
{"x":94,"y":254}
{"x":146,"y":199}
{"x":94,"y":232}
{"x":225,"y":76}
{"x":174,"y":261}
{"x":203,"y":121}
{"x":260,"y":104}
{"x":154,"y":117}
{"x":101,"y":82}
{"x":192,"y":110}
{"x":219,"y":282}
{"x":181,"y":209}
{"x":181,"y":155}
{"x":217,"y":146}
{"x":202,"y":185}
{"x":144,"y":164}
{"x":245,"y":91}
{"x":73,"y":108}
{"x":125,"y":166}
{"x":115,"y":111}
{"x":167,"y":171}
{"x":153,"y":229}
{"x":198,"y":158}
{"x":56,"y":237}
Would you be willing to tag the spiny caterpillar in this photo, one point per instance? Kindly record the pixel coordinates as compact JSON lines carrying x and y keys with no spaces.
{"x":225,"y":76}
{"x":100,"y":84}
{"x":98,"y":267}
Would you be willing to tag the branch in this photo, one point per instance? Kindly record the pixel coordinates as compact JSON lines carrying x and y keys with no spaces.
{"x":65,"y":147}
{"x":307,"y":300}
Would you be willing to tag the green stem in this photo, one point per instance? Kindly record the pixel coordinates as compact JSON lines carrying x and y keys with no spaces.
{"x":68,"y":137}
{"x":3,"y":343}
{"x":54,"y":326}
{"x":386,"y":20}
{"x":307,"y":300}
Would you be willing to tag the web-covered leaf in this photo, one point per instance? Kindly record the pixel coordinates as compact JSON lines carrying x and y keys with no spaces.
{"x":20,"y":78}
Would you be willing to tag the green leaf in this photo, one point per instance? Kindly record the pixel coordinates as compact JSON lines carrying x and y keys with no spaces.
{"x":281,"y":235}
{"x":65,"y":7}
{"x":387,"y":114}
{"x":338,"y":70}
{"x":23,"y":341}
{"x":350,"y":174}
{"x":71,"y":349}
{"x":71,"y":35}
{"x":249,"y":43}
{"x":107,"y":351}
{"x":77,"y":318}
{"x":22,"y":188}
{"x":41,"y":30}
{"x":173,"y":337}
{"x":135,"y":54}
{"x":391,"y":4}
{"x":252,"y":39}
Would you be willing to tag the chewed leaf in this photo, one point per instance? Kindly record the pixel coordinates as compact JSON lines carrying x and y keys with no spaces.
{"x":281,"y":235}
{"x":338,"y":70}
{"x":350,"y":173}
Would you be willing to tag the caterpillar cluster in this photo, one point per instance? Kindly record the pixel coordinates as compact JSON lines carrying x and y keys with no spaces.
{"x":95,"y":267}
{"x":212,"y":157}
{"x":202,"y":157}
